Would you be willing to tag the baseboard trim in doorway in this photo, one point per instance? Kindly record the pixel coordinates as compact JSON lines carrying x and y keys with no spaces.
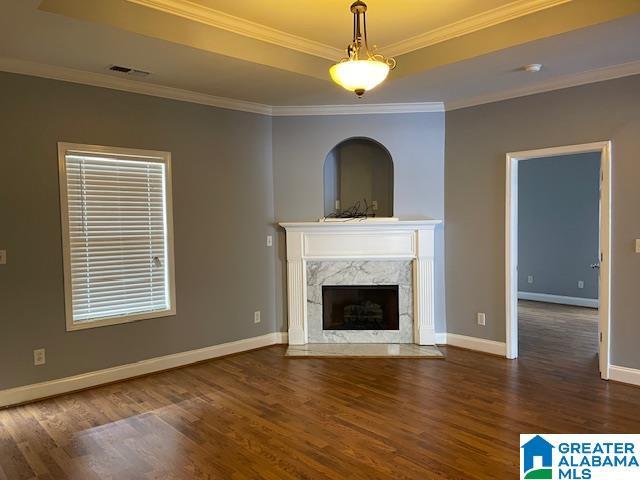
{"x":548,"y":298}
{"x":27,"y":393}
{"x":479,"y":344}
{"x":624,"y":375}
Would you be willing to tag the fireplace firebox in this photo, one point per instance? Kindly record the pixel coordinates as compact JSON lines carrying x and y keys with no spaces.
{"x":360,"y":307}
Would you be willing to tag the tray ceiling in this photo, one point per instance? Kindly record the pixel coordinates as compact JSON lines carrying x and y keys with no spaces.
{"x":278,"y":52}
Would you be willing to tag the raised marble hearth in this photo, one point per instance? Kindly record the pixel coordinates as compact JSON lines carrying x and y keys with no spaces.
{"x":362,"y":350}
{"x":361,"y":252}
{"x":368,"y":272}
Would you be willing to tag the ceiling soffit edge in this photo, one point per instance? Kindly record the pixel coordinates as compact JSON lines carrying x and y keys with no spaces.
{"x":610,"y":72}
{"x":218,"y":19}
{"x":490,"y":18}
{"x":240,"y":26}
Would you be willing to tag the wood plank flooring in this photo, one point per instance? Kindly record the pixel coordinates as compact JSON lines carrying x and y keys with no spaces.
{"x":258,"y":415}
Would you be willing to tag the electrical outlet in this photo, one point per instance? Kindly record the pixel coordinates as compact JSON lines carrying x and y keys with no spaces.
{"x":482,"y":319}
{"x":337,"y":205}
{"x":580,"y":284}
{"x":638,"y":245}
{"x":39,"y":357}
{"x":530,"y":279}
{"x":256,"y":317}
{"x":374,"y":205}
{"x":269,"y":240}
{"x":3,"y":257}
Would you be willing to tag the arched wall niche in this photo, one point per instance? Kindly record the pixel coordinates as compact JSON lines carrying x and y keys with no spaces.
{"x":358,"y":174}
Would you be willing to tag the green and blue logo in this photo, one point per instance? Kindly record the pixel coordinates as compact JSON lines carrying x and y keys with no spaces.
{"x":537,"y":459}
{"x":580,"y":457}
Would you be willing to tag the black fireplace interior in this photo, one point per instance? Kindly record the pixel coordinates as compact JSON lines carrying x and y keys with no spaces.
{"x":360,"y":307}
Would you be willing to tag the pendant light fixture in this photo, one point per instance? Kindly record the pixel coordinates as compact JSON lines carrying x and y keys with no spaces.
{"x":362,"y":69}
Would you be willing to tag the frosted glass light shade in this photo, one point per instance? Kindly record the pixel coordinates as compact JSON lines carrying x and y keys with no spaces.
{"x":359,"y":76}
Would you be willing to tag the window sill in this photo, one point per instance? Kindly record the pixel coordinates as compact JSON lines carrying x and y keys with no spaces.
{"x":73,"y":326}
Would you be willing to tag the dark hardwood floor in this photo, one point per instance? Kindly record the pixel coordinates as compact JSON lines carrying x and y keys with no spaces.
{"x":259,"y":415}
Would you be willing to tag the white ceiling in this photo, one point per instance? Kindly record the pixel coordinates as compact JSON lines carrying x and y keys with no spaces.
{"x":198,"y":57}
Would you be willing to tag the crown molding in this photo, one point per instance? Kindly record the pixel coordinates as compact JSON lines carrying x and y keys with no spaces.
{"x":362,"y":109}
{"x":135,"y":86}
{"x":240,"y":26}
{"x":495,"y":16}
{"x":565,"y":81}
{"x":127,"y":85}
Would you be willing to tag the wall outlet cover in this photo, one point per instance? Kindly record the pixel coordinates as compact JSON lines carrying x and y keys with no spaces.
{"x":3,"y":257}
{"x":269,"y":240}
{"x":482,"y":319}
{"x":256,"y":317}
{"x":580,"y":284}
{"x":530,"y":279}
{"x":39,"y":357}
{"x":638,"y":245}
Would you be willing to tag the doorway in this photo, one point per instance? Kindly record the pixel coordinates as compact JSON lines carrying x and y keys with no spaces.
{"x":514,"y":160}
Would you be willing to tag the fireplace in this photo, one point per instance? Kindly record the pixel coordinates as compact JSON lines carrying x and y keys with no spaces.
{"x":360,"y":307}
{"x":377,"y":252}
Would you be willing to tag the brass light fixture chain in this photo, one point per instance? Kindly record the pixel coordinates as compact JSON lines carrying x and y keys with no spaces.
{"x":352,"y":51}
{"x":366,"y":40}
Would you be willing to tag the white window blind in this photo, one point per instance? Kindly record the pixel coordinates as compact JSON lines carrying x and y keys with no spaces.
{"x":117,"y":239}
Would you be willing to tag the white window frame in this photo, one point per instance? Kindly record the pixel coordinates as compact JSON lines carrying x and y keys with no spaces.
{"x":64,"y":149}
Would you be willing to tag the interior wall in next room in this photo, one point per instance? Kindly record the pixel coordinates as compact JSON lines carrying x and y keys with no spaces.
{"x":416,"y":144}
{"x":558,"y":225}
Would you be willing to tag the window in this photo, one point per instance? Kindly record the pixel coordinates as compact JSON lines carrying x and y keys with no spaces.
{"x":117,"y":234}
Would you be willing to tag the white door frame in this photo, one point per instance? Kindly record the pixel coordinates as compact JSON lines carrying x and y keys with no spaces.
{"x":511,"y":230}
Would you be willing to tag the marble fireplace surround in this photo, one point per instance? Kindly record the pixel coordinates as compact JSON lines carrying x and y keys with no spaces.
{"x":361,"y":241}
{"x":360,"y":272}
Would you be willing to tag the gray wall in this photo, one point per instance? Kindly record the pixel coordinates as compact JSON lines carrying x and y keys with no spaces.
{"x":558,"y":224}
{"x":331,"y":181}
{"x":478,"y":139}
{"x":223,"y":209}
{"x":416,"y":145}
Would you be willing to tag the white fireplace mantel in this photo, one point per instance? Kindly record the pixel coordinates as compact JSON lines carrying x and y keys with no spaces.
{"x":361,"y":240}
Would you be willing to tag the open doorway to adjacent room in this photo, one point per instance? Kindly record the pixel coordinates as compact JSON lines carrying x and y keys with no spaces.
{"x":557,"y":258}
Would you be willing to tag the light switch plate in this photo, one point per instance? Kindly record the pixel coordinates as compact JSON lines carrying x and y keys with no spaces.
{"x":638,"y":245}
{"x":3,"y":257}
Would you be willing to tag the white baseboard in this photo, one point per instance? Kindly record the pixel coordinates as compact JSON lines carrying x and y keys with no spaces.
{"x":479,"y":344}
{"x":28,"y":393}
{"x":624,"y":374}
{"x":50,"y":388}
{"x":281,"y":337}
{"x":546,"y":297}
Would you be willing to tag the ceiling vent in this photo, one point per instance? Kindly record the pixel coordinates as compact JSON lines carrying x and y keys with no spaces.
{"x":128,"y":71}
